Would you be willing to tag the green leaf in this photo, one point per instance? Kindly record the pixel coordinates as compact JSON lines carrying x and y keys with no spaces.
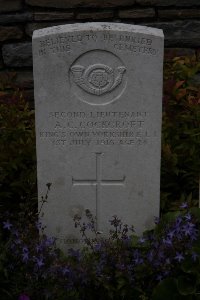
{"x":165,"y":290}
{"x":170,"y":216}
{"x":186,"y":285}
{"x":196,"y":212}
{"x":188,"y":266}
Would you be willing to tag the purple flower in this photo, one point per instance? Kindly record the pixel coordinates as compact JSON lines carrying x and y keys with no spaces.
{"x":97,"y":247}
{"x":142,"y":240}
{"x":17,"y":241}
{"x":184,"y":205}
{"x":178,"y":222}
{"x":194,"y":256}
{"x":179,"y":257}
{"x":15,"y":232}
{"x":159,"y":277}
{"x":161,"y":254}
{"x":49,"y":241}
{"x":171,"y":234}
{"x":7,"y":225}
{"x":188,"y":229}
{"x":137,"y":259}
{"x":188,"y":217}
{"x":167,"y":242}
{"x":23,"y":297}
{"x":150,"y":256}
{"x":156,"y":220}
{"x":25,"y":257}
{"x":39,"y":248}
{"x":65,"y":270}
{"x":75,"y":253}
{"x":39,"y":262}
{"x":121,"y":267}
{"x":38,"y":225}
{"x":167,"y":261}
{"x":25,"y":249}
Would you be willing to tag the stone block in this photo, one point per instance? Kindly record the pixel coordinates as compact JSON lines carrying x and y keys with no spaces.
{"x":35,"y":26}
{"x":98,"y":103}
{"x":137,"y":13}
{"x":51,"y":16}
{"x":10,"y":5}
{"x":169,"y":2}
{"x":95,"y":15}
{"x":180,"y":33}
{"x":17,"y":55}
{"x":79,"y":3}
{"x":178,"y":13}
{"x":16,"y":18}
{"x":10,"y":33}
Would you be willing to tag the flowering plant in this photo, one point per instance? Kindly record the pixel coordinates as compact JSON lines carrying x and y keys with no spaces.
{"x":163,"y":262}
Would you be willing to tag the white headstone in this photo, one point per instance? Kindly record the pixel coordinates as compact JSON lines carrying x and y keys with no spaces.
{"x":98,"y":102}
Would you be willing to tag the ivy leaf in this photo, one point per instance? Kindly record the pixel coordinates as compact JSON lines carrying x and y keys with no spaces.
{"x":188,"y":266}
{"x":186,"y":285}
{"x":165,"y":290}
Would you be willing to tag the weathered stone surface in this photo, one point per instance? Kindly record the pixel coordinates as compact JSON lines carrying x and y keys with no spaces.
{"x":35,"y":26}
{"x":16,"y":18}
{"x":50,"y":16}
{"x":137,"y":13}
{"x":79,"y":3}
{"x":17,"y":55}
{"x":10,"y":5}
{"x":95,"y":15}
{"x":98,"y":96}
{"x":178,"y":13}
{"x":171,"y":53}
{"x":180,"y":33}
{"x":169,"y":2}
{"x":10,"y":33}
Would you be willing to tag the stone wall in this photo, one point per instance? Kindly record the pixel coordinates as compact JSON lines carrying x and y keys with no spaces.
{"x":180,"y":20}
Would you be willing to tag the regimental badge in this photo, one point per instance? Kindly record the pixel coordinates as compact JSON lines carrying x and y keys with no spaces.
{"x":97,"y":79}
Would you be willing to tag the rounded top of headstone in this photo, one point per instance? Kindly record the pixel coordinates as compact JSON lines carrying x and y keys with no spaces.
{"x":101,"y":26}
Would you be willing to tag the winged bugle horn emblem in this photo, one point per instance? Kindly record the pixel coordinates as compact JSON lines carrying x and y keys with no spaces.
{"x":97,"y":79}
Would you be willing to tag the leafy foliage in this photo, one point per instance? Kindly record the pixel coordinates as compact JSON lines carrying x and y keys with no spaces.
{"x":163,"y":263}
{"x":17,"y":149}
{"x":181,"y":134}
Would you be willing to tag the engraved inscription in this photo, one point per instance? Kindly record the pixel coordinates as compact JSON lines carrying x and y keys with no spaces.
{"x":109,"y":128}
{"x":97,"y":79}
{"x":130,"y":43}
{"x":98,"y":182}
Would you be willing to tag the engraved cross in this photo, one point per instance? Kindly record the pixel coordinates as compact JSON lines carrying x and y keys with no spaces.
{"x":98,"y":182}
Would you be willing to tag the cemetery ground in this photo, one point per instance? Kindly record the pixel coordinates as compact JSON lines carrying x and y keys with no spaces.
{"x":163,"y":263}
